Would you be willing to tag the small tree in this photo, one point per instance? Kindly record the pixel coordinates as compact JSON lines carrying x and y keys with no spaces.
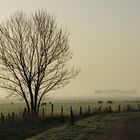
{"x":33,"y":57}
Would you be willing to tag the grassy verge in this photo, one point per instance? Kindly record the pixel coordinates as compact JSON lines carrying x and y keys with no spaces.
{"x":20,"y":130}
{"x":82,"y":129}
{"x":56,"y":128}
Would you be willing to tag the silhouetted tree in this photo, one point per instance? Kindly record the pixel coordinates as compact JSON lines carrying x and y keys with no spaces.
{"x":33,"y":57}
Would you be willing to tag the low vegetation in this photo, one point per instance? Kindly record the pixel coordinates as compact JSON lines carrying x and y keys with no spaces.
{"x":90,"y":120}
{"x":80,"y":131}
{"x":56,"y":130}
{"x":19,"y":130}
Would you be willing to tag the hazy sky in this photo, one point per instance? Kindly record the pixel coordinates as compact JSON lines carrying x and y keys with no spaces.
{"x":105,"y":38}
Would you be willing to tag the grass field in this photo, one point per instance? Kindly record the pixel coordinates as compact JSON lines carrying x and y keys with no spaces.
{"x":45,"y":128}
{"x":19,"y":107}
{"x":84,"y":129}
{"x":57,"y":129}
{"x":80,"y":131}
{"x":19,"y":130}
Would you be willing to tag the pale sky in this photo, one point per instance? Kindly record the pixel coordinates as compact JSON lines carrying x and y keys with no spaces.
{"x":105,"y":39}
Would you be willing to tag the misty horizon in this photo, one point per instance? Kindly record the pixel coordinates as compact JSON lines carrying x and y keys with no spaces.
{"x":104,"y":38}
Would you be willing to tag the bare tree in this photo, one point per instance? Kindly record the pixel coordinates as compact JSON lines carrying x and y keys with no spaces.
{"x":33,"y":57}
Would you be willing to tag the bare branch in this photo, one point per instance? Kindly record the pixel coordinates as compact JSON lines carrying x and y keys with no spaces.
{"x":33,"y":56}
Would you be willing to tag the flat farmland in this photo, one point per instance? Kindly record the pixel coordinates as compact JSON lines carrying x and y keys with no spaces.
{"x":86,"y":127}
{"x":18,"y":108}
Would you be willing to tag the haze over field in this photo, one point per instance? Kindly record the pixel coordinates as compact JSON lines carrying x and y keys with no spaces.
{"x":105,"y":39}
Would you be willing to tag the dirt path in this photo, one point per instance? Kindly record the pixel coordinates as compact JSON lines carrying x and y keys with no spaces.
{"x":122,"y":128}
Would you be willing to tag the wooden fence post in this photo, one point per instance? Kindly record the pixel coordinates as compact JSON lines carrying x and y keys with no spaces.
{"x":138,"y":107}
{"x":119,"y":108}
{"x":43,"y":112}
{"x":99,"y":109}
{"x":13,"y":116}
{"x":71,"y":116}
{"x":106,"y":109}
{"x":128,"y":107}
{"x":80,"y":112}
{"x":2,"y":118}
{"x":9,"y":117}
{"x":89,"y":110}
{"x":62,"y":111}
{"x":110,"y":109}
{"x":24,"y":113}
{"x":52,"y":109}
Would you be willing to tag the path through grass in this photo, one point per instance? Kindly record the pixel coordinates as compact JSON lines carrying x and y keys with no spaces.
{"x":80,"y":131}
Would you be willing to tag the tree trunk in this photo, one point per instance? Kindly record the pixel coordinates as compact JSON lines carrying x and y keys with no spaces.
{"x":28,"y":107}
{"x":34,"y":113}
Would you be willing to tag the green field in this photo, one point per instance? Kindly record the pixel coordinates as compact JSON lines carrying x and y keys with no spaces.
{"x":57,"y":129}
{"x":84,"y":129}
{"x":45,"y":127}
{"x":19,"y":107}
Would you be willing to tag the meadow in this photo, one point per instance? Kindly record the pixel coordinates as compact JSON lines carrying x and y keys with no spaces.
{"x":45,"y":127}
{"x":18,"y":108}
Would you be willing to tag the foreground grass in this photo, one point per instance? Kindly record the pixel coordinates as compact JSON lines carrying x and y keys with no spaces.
{"x":82,"y":129}
{"x":19,"y":130}
{"x":56,"y":128}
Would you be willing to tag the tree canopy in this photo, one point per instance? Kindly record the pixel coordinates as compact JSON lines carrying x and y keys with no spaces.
{"x":34,"y":55}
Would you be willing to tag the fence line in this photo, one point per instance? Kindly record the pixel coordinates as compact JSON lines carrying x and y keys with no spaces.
{"x":72,"y":115}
